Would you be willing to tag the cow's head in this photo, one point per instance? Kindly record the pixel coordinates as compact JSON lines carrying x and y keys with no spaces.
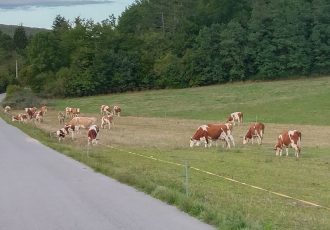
{"x":245,"y":140}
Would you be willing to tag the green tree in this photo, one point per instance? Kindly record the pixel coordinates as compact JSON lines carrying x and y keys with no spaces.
{"x":20,"y":38}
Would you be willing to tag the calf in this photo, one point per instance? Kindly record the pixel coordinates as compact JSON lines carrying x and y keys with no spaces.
{"x":256,"y":131}
{"x":291,"y":138}
{"x":107,"y":120}
{"x":43,"y":109}
{"x":39,"y":116}
{"x":30,"y":112}
{"x":66,"y":130}
{"x":92,"y":134}
{"x":210,"y":132}
{"x":236,"y":116}
{"x":116,"y":110}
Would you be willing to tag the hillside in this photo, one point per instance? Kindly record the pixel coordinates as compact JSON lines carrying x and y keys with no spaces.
{"x":10,"y":29}
{"x":246,"y":186}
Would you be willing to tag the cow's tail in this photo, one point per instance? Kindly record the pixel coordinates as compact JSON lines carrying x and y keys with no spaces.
{"x":241,"y":117}
{"x":299,"y":139}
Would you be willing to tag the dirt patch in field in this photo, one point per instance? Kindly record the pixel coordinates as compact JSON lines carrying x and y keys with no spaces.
{"x":175,"y":133}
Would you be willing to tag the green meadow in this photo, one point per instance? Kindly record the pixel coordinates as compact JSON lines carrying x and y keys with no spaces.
{"x":148,"y":148}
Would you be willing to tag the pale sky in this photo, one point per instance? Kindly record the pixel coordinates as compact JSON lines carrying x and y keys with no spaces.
{"x":41,"y":13}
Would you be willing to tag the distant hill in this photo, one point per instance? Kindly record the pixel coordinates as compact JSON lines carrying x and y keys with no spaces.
{"x":10,"y":29}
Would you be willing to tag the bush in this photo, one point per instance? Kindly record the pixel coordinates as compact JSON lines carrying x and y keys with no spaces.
{"x":20,"y":98}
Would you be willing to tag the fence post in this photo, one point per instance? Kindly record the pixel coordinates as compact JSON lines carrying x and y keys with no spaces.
{"x":186,"y":184}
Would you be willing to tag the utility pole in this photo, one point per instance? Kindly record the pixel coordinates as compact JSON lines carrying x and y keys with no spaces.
{"x":16,"y":70}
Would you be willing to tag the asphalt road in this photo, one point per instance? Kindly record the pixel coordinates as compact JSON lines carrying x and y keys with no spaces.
{"x":43,"y":189}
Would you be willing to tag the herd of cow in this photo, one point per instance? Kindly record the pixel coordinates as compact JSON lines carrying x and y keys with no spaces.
{"x":73,"y":126}
{"x":204,"y":134}
{"x":213,"y":132}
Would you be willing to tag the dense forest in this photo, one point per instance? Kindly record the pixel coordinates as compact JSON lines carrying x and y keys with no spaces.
{"x":172,"y":44}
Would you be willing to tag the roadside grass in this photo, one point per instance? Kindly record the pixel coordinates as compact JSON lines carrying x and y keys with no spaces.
{"x":128,"y":151}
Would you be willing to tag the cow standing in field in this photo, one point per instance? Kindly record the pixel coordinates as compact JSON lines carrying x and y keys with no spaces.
{"x":66,"y":130}
{"x":107,"y":120}
{"x":236,"y":116}
{"x":39,"y":116}
{"x":256,"y":131}
{"x":105,"y":110}
{"x":43,"y":109}
{"x":210,"y":132}
{"x":30,"y":112}
{"x":92,"y":134}
{"x":116,"y":110}
{"x":83,"y":122}
{"x":291,"y":138}
{"x":7,"y":109}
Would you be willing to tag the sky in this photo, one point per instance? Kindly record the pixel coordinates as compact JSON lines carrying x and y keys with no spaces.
{"x":41,"y":13}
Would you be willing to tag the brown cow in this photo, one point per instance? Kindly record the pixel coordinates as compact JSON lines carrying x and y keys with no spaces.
{"x":30,"y":112}
{"x":43,"y":109}
{"x":210,"y":132}
{"x":116,"y":110}
{"x":257,"y":131}
{"x":291,"y":138}
{"x":236,"y":116}
{"x":72,"y":112}
{"x":92,"y":134}
{"x":105,"y":110}
{"x":20,"y":118}
{"x":39,"y":116}
{"x":107,"y":120}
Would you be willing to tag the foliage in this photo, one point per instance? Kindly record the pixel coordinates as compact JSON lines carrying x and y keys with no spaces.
{"x":20,"y":98}
{"x":179,"y":43}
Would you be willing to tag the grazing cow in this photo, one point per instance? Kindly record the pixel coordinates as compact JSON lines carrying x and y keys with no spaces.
{"x":68,"y":111}
{"x":210,"y":132}
{"x":60,"y":117}
{"x":105,"y":110}
{"x":107,"y":120}
{"x":227,"y":128}
{"x":116,"y":110}
{"x":291,"y":138}
{"x":257,"y":131}
{"x":7,"y":109}
{"x":30,"y":112}
{"x":43,"y":109}
{"x":66,"y":130}
{"x":83,"y":122}
{"x":92,"y":134}
{"x":39,"y":116}
{"x":20,"y":118}
{"x":236,"y":116}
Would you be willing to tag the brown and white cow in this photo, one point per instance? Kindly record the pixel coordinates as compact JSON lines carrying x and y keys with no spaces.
{"x":116,"y":110}
{"x":92,"y":134}
{"x":107,"y":120}
{"x":43,"y":109}
{"x":236,"y":116}
{"x":256,"y":131}
{"x":291,"y":138}
{"x":39,"y":116}
{"x":208,"y":133}
{"x":66,"y":130}
{"x":7,"y":109}
{"x":20,"y":118}
{"x":105,"y":110}
{"x":30,"y":112}
{"x":83,"y":122}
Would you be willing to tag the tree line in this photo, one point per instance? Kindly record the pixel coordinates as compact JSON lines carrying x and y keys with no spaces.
{"x":175,"y":44}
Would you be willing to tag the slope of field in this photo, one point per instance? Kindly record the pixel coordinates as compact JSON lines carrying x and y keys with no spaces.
{"x":149,"y":147}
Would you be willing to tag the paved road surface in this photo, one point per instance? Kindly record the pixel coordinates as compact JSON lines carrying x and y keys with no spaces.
{"x":42,"y":189}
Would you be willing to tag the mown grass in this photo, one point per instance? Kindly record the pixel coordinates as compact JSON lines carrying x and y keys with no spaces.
{"x":305,"y":101}
{"x":217,"y":201}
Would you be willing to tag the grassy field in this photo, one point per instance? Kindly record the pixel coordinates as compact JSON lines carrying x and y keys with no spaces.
{"x":148,"y":148}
